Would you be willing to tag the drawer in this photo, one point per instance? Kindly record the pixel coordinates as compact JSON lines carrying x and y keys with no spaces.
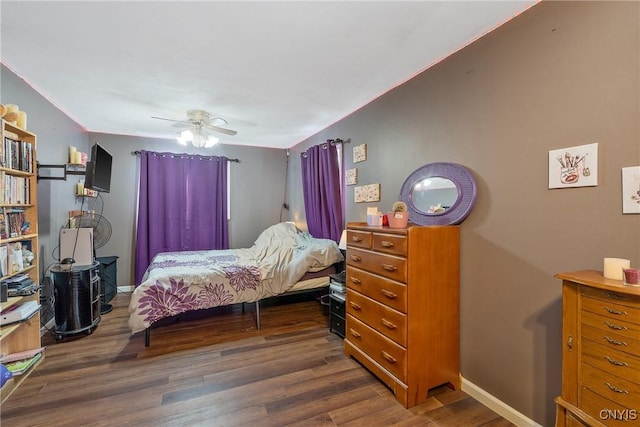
{"x":337,"y":306}
{"x":611,"y":361}
{"x":619,"y":298}
{"x":389,"y":266}
{"x":381,"y":289}
{"x":387,"y":321}
{"x":610,"y":413}
{"x":609,"y":324}
{"x":613,"y":388}
{"x":359,"y":239}
{"x":337,"y":325}
{"x":612,"y":309}
{"x":387,"y":353}
{"x":390,"y":244}
{"x":603,"y":331}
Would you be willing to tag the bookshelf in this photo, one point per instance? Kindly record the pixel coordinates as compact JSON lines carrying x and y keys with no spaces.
{"x":18,"y":231}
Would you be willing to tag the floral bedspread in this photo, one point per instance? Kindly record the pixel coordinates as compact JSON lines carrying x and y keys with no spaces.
{"x":178,"y":282}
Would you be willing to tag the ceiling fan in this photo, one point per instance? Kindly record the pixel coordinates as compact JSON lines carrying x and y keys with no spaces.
{"x":197,"y":127}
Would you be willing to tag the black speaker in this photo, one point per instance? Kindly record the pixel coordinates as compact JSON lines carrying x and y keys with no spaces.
{"x":108,"y":272}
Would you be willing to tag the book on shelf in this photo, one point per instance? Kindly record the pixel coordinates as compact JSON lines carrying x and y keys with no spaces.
{"x":19,"y":367}
{"x":4,"y":258}
{"x":21,"y":355}
{"x":4,"y":225}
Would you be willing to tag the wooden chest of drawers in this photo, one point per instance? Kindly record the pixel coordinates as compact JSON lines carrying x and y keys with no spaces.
{"x":601,"y":352}
{"x":403,"y":306}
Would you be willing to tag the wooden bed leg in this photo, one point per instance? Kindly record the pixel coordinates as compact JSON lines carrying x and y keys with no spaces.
{"x":147,"y":337}
{"x":258,"y":314}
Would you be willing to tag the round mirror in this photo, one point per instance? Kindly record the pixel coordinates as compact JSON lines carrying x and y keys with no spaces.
{"x":434,"y":195}
{"x":439,"y":194}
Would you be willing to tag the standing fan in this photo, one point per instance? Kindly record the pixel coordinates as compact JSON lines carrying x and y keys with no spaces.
{"x":101,"y":227}
{"x":101,"y":235}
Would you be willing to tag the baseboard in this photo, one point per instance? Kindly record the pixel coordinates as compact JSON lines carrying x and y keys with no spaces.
{"x":127,"y":289}
{"x":497,"y":405}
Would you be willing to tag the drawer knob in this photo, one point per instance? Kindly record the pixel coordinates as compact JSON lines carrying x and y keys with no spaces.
{"x":616,"y":362}
{"x":355,"y":280}
{"x":615,"y":342}
{"x":356,"y":334}
{"x":388,"y":294}
{"x":355,"y":306}
{"x":389,"y":267}
{"x":356,"y":239}
{"x":386,"y":244}
{"x":616,"y":327}
{"x":614,"y":311}
{"x":616,"y":389}
{"x":356,"y":258}
{"x":388,"y":324}
{"x":389,"y":357}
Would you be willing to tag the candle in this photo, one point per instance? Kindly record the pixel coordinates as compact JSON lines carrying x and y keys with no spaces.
{"x":632,"y":276}
{"x":613,"y":267}
{"x":72,"y":154}
{"x":21,"y":121}
{"x":77,"y":158}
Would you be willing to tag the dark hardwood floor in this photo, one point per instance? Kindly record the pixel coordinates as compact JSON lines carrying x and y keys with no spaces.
{"x":220,"y":371}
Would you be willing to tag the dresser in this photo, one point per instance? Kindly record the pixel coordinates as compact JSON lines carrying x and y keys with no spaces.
{"x":402,"y":306}
{"x":601,"y":350}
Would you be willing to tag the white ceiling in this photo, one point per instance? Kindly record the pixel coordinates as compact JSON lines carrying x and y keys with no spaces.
{"x":278,"y":72}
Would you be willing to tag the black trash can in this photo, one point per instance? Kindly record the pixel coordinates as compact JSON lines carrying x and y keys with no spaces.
{"x":76,"y":299}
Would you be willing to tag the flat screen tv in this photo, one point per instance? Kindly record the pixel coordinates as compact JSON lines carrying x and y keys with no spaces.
{"x":97,"y":174}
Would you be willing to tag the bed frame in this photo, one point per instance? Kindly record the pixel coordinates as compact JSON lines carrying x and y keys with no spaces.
{"x":330,"y":270}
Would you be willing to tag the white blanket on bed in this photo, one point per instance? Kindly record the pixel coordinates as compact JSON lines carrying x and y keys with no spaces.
{"x":177,"y":282}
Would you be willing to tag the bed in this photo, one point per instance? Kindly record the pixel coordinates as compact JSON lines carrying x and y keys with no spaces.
{"x":279,"y":263}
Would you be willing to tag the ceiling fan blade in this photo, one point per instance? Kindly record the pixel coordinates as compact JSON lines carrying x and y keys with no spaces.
{"x":182,"y":125}
{"x":221,"y":130}
{"x":169,"y":120}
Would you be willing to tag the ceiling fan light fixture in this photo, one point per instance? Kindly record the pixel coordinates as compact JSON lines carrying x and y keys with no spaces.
{"x":211,"y":141}
{"x":186,"y":136}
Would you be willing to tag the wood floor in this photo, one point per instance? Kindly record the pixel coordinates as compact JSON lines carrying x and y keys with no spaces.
{"x":220,"y":371}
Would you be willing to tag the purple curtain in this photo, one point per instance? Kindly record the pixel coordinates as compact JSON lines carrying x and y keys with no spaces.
{"x":182,"y":205}
{"x":321,"y":185}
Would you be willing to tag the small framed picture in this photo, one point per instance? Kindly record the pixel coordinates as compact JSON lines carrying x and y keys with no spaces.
{"x":631,"y":190}
{"x":574,"y":166}
{"x":367,"y":193}
{"x":360,"y":153}
{"x":351,"y":176}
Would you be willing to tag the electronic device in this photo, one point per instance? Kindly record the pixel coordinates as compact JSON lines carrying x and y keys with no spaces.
{"x":77,"y":244}
{"x":98,"y":170}
{"x":19,"y":312}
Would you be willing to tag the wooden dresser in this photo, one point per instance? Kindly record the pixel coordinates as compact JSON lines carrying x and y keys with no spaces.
{"x":402,"y":306}
{"x":601,"y":349}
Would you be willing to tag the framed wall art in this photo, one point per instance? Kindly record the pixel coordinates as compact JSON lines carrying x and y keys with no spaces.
{"x":351,"y":176}
{"x":360,"y":153}
{"x":631,"y":190}
{"x":574,"y":166}
{"x":367,"y":193}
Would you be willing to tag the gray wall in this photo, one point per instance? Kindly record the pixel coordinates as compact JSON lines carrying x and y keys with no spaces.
{"x":560,"y":75}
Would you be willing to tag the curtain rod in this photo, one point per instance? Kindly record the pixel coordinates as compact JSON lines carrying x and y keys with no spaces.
{"x":136,"y":153}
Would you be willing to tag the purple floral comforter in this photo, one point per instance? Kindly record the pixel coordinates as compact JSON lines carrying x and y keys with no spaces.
{"x":177,"y":282}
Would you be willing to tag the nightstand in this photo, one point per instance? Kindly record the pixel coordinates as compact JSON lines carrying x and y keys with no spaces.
{"x":337,"y":304}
